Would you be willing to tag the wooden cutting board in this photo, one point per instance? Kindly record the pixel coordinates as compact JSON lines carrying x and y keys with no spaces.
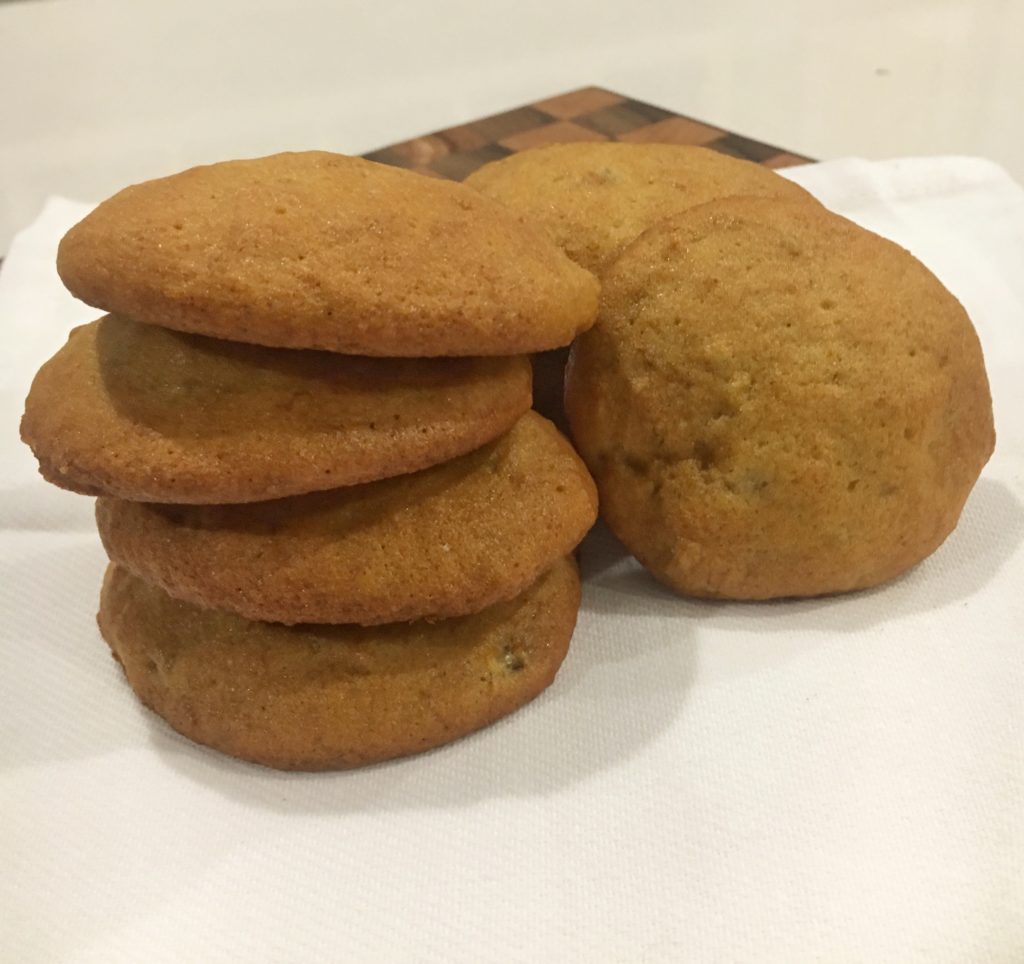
{"x":587,"y":114}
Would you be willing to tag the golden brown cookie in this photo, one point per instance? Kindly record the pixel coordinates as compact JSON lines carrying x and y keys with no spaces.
{"x":443,"y":542}
{"x":329,"y":697}
{"x":776,"y":402}
{"x":594,"y":198}
{"x":318,"y":250}
{"x":141,"y":412}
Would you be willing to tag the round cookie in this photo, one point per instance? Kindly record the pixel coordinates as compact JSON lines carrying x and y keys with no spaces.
{"x":443,"y":542}
{"x":330,"y":697}
{"x":776,"y":402}
{"x":319,"y":250}
{"x":594,"y":198}
{"x":141,"y":412}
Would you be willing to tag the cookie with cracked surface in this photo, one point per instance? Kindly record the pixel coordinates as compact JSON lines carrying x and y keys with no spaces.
{"x":450,"y":540}
{"x":331,"y":697}
{"x":776,"y":402}
{"x":146,"y":413}
{"x":595,"y":198}
{"x":320,"y":250}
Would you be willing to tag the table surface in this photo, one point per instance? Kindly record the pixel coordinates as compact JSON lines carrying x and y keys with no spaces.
{"x":107,"y":92}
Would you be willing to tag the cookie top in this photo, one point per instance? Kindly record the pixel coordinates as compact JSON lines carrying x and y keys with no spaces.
{"x":141,"y":412}
{"x":325,"y":697}
{"x":443,"y":542}
{"x":319,"y":250}
{"x":776,"y":402}
{"x":594,"y":198}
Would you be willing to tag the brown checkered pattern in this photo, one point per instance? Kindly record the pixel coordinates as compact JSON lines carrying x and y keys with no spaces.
{"x":588,"y":114}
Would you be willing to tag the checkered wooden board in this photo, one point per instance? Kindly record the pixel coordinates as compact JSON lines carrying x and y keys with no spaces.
{"x":587,"y":114}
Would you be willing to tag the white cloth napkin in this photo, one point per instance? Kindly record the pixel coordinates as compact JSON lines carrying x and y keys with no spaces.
{"x":833,"y":780}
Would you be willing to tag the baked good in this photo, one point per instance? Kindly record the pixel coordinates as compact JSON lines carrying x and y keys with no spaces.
{"x":443,"y":542}
{"x":594,"y":198}
{"x":324,"y":697}
{"x":319,"y":250}
{"x":776,"y":402}
{"x":141,"y":412}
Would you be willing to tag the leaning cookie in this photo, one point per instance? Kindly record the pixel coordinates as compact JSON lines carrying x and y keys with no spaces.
{"x":595,"y":198}
{"x":330,"y":697}
{"x":141,"y":412}
{"x":319,"y":250}
{"x":776,"y":402}
{"x":447,"y":541}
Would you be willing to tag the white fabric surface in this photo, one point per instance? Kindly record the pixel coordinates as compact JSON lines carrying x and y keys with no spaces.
{"x":834,"y":780}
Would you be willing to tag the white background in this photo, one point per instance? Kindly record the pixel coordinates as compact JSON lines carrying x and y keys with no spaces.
{"x":100,"y":93}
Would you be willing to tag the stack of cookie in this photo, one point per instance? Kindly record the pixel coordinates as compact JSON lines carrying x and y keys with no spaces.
{"x":774,"y":401}
{"x":337,"y":532}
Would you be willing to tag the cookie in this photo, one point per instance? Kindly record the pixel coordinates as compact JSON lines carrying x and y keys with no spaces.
{"x":594,"y":198}
{"x":450,"y":540}
{"x":141,"y":412}
{"x":319,"y":250}
{"x":776,"y":402}
{"x":329,"y":697}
